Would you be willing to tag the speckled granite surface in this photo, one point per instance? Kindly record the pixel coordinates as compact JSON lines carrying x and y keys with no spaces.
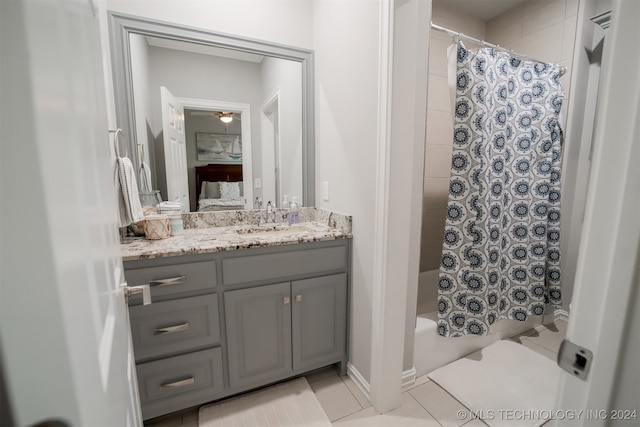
{"x":232,"y":230}
{"x":255,"y":217}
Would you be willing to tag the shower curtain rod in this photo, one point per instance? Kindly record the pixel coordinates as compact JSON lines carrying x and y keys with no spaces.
{"x":563,"y":70}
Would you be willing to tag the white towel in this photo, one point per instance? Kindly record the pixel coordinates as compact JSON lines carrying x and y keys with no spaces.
{"x":144,"y":177}
{"x":129,"y":208}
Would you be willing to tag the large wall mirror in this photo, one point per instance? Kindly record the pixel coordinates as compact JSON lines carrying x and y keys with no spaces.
{"x":214,"y":121}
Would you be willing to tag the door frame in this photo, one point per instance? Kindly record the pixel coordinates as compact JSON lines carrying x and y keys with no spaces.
{"x":608,"y":260}
{"x":245,"y":112}
{"x":271,"y":134}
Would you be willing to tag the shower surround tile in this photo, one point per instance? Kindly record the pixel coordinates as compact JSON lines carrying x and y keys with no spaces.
{"x":439,"y":128}
{"x":437,"y":161}
{"x":540,"y":14}
{"x":438,"y":94}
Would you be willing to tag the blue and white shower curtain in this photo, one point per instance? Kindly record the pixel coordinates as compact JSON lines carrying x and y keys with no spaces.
{"x":501,"y":250}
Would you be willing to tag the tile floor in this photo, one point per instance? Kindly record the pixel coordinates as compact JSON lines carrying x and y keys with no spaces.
{"x":423,"y":404}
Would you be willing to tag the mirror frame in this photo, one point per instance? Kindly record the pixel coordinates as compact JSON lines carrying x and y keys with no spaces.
{"x":121,"y":25}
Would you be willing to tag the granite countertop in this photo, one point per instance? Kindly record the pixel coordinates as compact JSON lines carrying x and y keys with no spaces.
{"x":226,"y":238}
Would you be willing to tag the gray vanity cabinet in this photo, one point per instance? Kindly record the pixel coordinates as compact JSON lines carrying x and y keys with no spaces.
{"x":258,"y":322}
{"x":284,"y":328}
{"x":226,"y":322}
{"x":319,"y":325}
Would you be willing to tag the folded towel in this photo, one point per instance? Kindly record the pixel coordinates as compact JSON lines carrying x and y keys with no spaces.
{"x":129,"y":208}
{"x":170,"y":207}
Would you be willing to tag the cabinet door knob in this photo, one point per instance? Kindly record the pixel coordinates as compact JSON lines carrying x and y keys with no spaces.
{"x":286,"y":300}
{"x":298,"y":297}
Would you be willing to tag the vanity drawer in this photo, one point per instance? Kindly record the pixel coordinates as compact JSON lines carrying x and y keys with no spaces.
{"x":284,"y":264}
{"x":172,"y":279}
{"x":173,"y":326}
{"x":179,"y":382}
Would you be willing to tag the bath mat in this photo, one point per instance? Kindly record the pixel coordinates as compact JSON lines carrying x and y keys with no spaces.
{"x":287,"y":404}
{"x":504,"y":384}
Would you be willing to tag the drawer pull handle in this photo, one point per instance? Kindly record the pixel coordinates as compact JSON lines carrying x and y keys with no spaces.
{"x":181,"y":383}
{"x":286,"y":300}
{"x":171,"y":329}
{"x":298,"y":298}
{"x":168,"y":282}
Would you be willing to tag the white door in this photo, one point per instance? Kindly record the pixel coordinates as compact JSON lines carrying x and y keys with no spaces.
{"x":175,"y":148}
{"x":65,"y":346}
{"x":604,"y":315}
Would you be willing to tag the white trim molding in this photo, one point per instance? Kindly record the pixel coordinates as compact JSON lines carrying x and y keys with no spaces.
{"x":384,"y":389}
{"x":359,"y":380}
{"x":408,"y":378}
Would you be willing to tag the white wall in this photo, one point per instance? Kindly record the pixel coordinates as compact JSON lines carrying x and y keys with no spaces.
{"x":346,"y":89}
{"x":139,"y":80}
{"x":286,"y":77}
{"x":280,"y":21}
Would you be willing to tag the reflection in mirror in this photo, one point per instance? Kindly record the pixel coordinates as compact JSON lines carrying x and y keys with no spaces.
{"x":179,"y":91}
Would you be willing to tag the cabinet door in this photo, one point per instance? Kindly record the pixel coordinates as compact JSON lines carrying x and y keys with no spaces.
{"x":319,"y":320}
{"x":258,"y":322}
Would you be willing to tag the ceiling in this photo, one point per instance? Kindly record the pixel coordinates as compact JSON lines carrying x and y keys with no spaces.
{"x":480,"y":9}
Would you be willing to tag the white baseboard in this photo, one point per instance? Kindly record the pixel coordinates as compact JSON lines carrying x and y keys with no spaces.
{"x":561,"y":313}
{"x":357,"y":378}
{"x":408,"y":379}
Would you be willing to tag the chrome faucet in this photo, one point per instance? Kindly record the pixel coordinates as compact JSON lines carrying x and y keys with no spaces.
{"x":270,"y":214}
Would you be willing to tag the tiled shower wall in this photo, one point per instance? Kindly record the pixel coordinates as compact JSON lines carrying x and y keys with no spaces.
{"x":440,"y":132}
{"x":542,"y":29}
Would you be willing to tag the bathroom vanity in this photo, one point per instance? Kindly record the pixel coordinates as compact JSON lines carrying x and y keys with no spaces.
{"x":235,"y":308}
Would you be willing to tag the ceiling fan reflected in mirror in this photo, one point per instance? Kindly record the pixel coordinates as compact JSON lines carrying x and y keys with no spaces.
{"x":224,"y":116}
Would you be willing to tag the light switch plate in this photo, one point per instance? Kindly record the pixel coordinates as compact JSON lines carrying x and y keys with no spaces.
{"x":257,"y":183}
{"x":325,"y":191}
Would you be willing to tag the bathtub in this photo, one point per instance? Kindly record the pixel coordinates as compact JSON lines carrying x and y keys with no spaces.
{"x":432,"y":351}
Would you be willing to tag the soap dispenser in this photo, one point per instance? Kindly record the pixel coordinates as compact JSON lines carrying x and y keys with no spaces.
{"x":293,"y":211}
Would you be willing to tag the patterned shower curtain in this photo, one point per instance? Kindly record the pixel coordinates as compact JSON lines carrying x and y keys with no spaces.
{"x":501,"y":250}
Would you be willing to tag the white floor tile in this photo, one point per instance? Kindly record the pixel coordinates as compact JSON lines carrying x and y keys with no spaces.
{"x":357,"y":393}
{"x":538,"y":348}
{"x":410,"y":413}
{"x":335,"y":398}
{"x":423,"y":379}
{"x":190,"y":416}
{"x":548,"y":336}
{"x":171,"y":420}
{"x":475,"y":423}
{"x":321,"y":374}
{"x":366,"y":414}
{"x":440,"y":404}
